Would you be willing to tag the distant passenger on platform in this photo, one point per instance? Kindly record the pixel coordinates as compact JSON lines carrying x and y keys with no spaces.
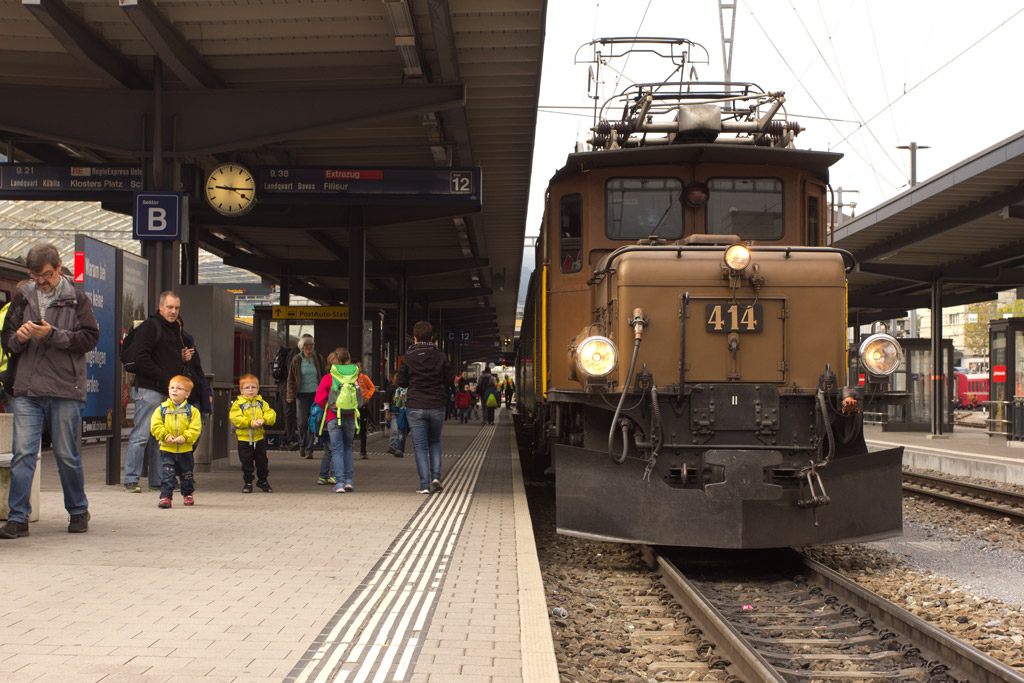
{"x":462,"y":403}
{"x":474,"y":403}
{"x":304,"y":374}
{"x":159,"y":353}
{"x":250,"y":414}
{"x":338,"y":393}
{"x":510,"y":390}
{"x":176,"y":425}
{"x":396,"y":417}
{"x":48,"y":330}
{"x":366,"y":391}
{"x":487,"y":390}
{"x":427,"y":373}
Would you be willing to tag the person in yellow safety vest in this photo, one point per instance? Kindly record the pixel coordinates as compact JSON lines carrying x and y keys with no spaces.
{"x":4,"y":396}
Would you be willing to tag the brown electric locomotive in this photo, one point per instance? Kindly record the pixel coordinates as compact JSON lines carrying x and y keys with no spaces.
{"x":682,"y":363}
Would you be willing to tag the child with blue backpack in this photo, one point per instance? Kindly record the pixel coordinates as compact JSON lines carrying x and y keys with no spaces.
{"x":338,"y":396}
{"x":316,"y":427}
{"x":176,"y":425}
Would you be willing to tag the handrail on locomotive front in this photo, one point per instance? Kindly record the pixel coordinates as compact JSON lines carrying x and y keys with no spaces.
{"x":849,"y":260}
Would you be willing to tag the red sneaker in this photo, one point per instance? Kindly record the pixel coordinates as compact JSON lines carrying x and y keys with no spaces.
{"x":164,"y":503}
{"x":189,"y":500}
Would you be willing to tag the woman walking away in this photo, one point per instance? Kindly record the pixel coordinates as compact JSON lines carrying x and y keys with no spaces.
{"x":304,"y":374}
{"x":427,"y":373}
{"x":338,"y":396}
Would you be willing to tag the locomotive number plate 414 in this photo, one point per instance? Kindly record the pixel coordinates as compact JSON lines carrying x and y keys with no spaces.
{"x":733,"y":317}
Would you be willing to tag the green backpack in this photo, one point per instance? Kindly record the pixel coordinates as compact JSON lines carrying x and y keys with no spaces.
{"x":344,"y":394}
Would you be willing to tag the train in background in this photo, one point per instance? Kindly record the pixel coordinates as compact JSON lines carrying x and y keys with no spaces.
{"x":971,"y":390}
{"x":682,"y":358}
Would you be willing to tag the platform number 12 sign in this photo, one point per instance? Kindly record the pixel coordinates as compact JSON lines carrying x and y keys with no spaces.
{"x":461,"y":182}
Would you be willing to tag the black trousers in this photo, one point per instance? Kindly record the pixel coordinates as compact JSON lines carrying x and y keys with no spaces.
{"x":362,"y":430}
{"x":249,"y":452}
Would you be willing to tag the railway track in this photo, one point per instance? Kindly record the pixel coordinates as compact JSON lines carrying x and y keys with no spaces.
{"x":784,"y":617}
{"x":985,"y":499}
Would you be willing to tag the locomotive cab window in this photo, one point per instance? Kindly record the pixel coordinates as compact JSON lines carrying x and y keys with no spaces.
{"x":570,"y":231}
{"x":748,"y":207}
{"x":636,"y":208}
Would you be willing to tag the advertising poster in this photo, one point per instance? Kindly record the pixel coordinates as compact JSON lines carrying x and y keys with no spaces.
{"x":134,"y":309}
{"x":98,"y":280}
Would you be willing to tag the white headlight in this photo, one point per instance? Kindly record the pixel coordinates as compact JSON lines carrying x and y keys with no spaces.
{"x":737,"y":257}
{"x":880,"y":354}
{"x":597,"y":356}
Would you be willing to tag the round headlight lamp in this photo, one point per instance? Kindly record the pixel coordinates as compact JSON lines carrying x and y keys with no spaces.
{"x":737,"y":257}
{"x":880,"y":355}
{"x":597,"y":356}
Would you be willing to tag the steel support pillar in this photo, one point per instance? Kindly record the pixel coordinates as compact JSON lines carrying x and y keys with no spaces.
{"x":403,"y":315}
{"x":356,"y":291}
{"x":938,"y":368}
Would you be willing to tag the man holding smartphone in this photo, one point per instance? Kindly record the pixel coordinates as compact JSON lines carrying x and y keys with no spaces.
{"x":49,"y":328}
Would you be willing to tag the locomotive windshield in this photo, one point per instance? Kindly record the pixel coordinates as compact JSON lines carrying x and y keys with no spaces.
{"x":748,"y":207}
{"x":636,"y":208}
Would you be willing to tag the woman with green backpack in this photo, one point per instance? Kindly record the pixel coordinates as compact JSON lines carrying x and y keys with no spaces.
{"x":337,"y":395}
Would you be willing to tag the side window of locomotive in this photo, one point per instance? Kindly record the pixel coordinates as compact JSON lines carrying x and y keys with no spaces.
{"x":813,"y":222}
{"x":570,"y":231}
{"x":748,"y":207}
{"x":636,"y":208}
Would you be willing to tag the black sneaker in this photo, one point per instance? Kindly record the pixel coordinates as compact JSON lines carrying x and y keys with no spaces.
{"x":12,"y":529}
{"x":364,"y":455}
{"x":436,"y":486}
{"x":247,"y":488}
{"x":79,"y":523}
{"x":264,"y":486}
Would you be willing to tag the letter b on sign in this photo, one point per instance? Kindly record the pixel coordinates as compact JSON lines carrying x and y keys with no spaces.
{"x":157,"y":219}
{"x":159,"y":216}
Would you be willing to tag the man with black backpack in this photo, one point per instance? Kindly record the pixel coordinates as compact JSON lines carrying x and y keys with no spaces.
{"x":154,"y":351}
{"x":279,"y":371}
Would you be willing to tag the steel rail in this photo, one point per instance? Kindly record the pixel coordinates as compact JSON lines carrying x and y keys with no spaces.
{"x":978,"y":666}
{"x":749,"y":665}
{"x":747,"y":662}
{"x":1000,"y":501}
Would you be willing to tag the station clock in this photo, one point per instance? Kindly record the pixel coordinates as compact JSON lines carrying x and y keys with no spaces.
{"x":231,"y":189}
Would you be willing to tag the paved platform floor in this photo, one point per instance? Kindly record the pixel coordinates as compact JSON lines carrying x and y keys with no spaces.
{"x":964,"y":451}
{"x":301,"y":584}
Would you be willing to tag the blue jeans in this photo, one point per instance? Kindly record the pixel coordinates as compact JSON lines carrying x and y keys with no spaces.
{"x":141,"y":441}
{"x":64,"y":415}
{"x":341,"y":436}
{"x":397,"y":437}
{"x":425,"y":426}
{"x":177,"y":466}
{"x":303,"y":404}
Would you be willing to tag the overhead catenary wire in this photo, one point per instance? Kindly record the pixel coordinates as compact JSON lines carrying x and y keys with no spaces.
{"x":907,"y":91}
{"x":846,"y":94}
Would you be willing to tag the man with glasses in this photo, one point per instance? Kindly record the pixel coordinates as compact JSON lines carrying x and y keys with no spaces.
{"x":48,"y":330}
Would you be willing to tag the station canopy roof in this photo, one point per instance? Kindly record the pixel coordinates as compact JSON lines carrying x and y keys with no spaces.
{"x":298,"y":83}
{"x":962,"y":229}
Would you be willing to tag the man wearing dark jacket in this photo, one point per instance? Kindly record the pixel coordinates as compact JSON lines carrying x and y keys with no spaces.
{"x":427,"y":373}
{"x":48,"y":330}
{"x":159,"y":355}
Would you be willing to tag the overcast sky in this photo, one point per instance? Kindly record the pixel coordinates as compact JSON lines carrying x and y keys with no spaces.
{"x":875,"y":74}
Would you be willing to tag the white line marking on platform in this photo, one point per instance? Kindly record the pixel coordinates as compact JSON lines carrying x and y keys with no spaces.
{"x":944,"y":451}
{"x":373,"y":628}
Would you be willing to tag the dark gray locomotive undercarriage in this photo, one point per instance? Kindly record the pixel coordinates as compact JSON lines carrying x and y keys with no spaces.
{"x":723,"y":466}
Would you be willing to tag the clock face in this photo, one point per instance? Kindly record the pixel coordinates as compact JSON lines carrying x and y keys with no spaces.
{"x":231,"y":189}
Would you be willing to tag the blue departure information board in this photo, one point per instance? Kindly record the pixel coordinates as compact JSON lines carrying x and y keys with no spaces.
{"x":448,"y":183}
{"x":91,"y":182}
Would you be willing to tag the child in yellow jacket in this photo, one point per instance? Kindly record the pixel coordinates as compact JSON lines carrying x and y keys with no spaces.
{"x":250,"y":413}
{"x":176,"y":425}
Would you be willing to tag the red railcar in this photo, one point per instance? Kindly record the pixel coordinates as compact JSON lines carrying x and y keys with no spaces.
{"x":971,"y":390}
